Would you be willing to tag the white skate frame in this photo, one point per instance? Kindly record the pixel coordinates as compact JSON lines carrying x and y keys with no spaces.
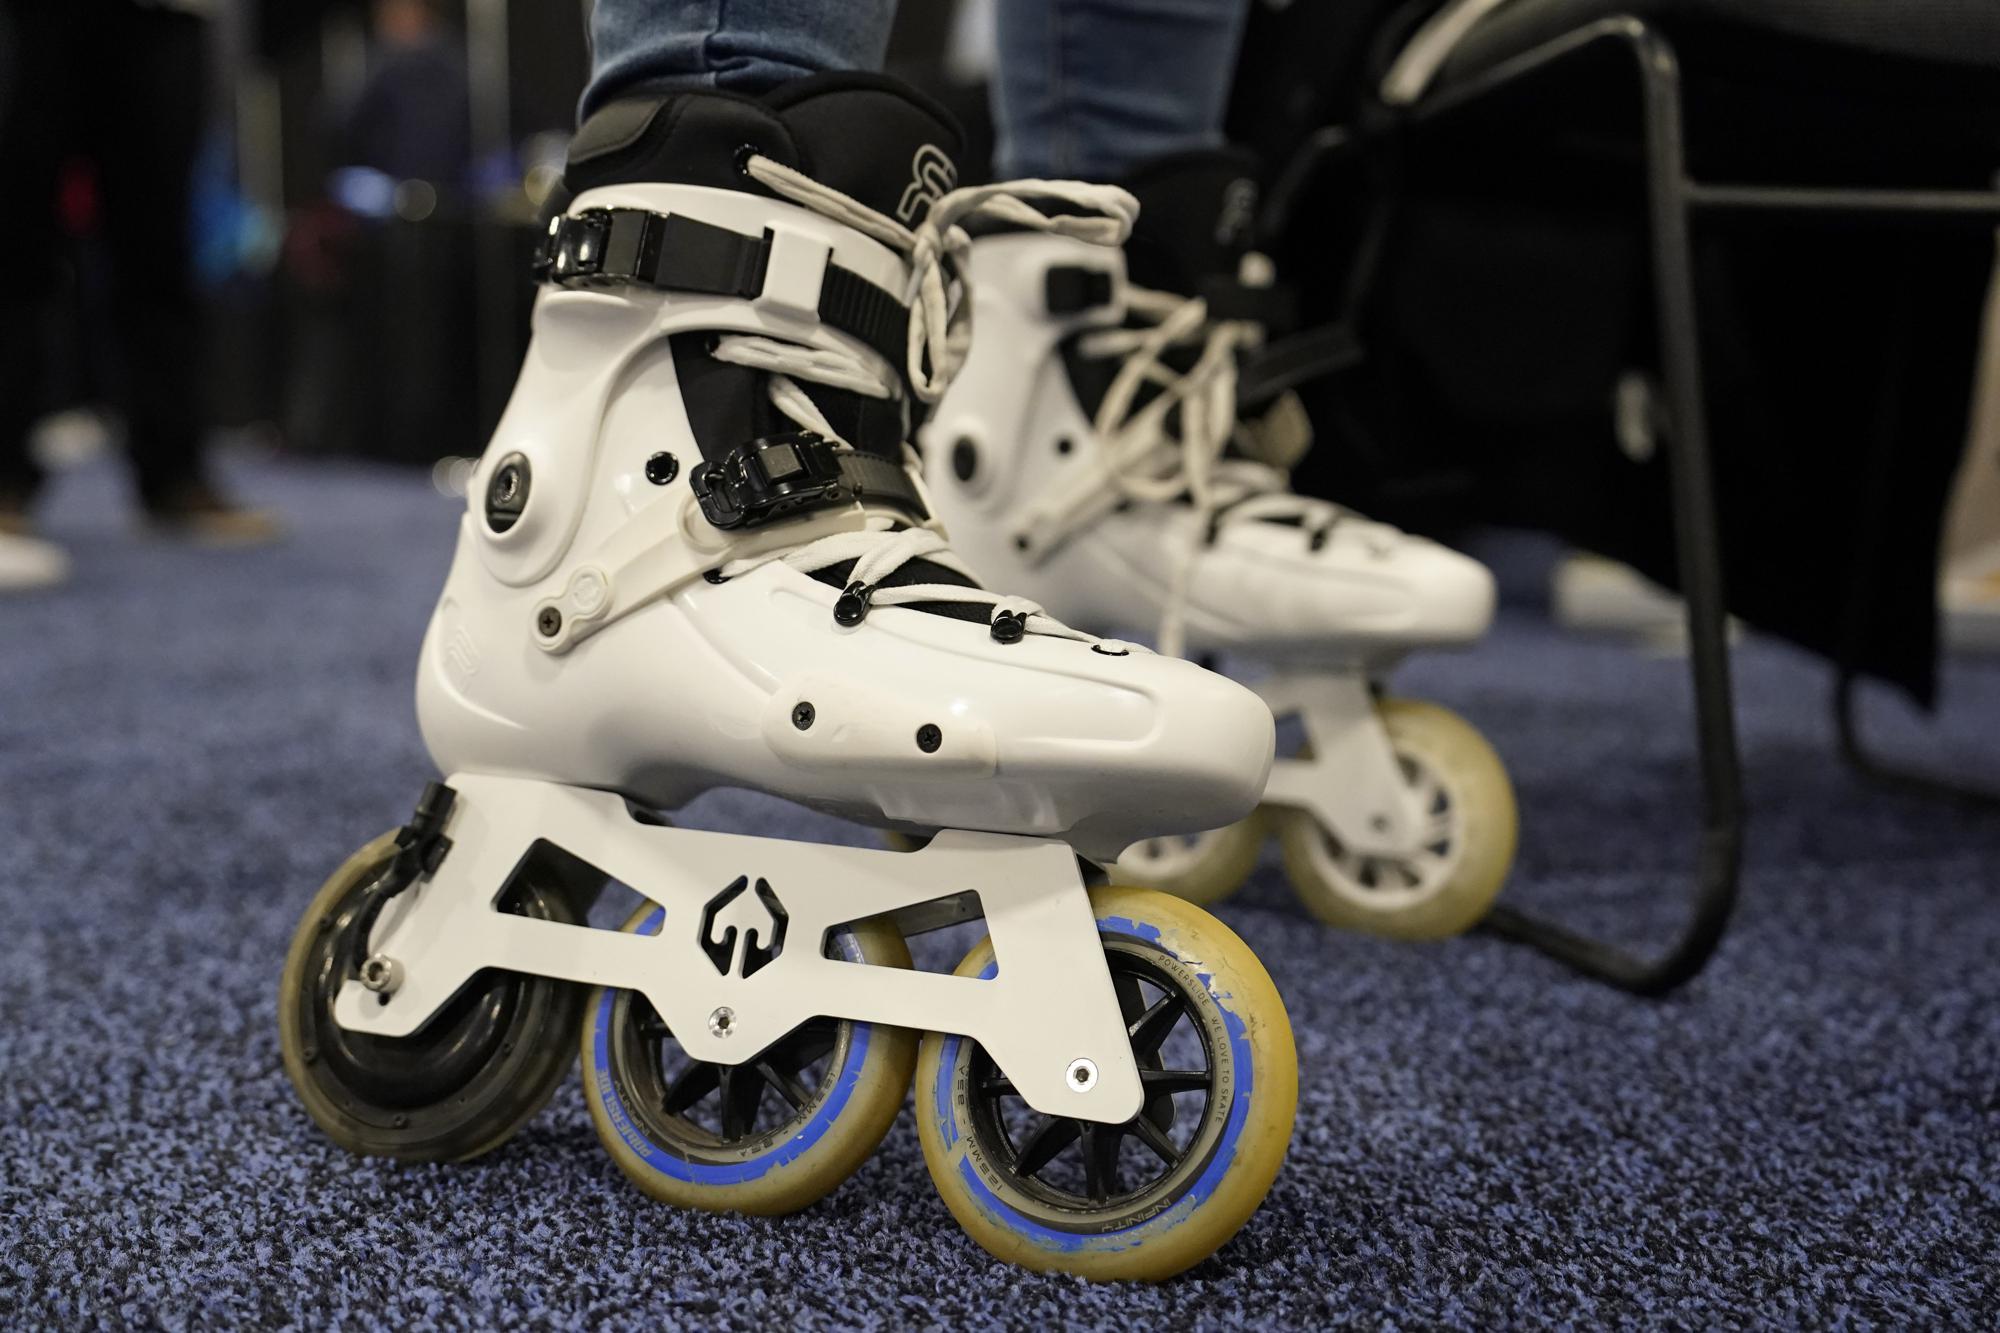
{"x":1049,"y":1018}
{"x":1353,"y":784}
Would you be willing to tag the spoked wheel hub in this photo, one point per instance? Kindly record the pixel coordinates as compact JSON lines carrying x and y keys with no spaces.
{"x":714,"y":1111}
{"x":1119,"y":1171}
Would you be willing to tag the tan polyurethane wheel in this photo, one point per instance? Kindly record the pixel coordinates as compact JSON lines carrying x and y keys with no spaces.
{"x":1153,"y":1197}
{"x":459,"y":1086}
{"x":1451,"y":882}
{"x":1201,"y":868}
{"x":772,"y":1135}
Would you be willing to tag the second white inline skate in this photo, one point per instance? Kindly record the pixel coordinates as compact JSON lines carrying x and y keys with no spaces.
{"x":695,"y":556}
{"x":1094,"y":455}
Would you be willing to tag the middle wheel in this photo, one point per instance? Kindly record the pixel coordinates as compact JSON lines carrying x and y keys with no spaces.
{"x":772,"y":1135}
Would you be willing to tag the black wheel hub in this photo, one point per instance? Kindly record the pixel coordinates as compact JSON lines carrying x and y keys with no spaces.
{"x":391,"y":1078}
{"x":720,"y":1112}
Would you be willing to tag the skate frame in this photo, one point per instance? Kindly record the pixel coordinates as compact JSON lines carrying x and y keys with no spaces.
{"x":1049,"y":1017}
{"x":1353,"y":784}
{"x":1675,"y":200}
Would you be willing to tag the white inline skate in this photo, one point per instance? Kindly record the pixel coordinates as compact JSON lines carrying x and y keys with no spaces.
{"x":1093,"y":454}
{"x":697,"y":554}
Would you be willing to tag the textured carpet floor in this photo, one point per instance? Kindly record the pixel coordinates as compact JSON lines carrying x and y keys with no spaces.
{"x":1808,"y":1135}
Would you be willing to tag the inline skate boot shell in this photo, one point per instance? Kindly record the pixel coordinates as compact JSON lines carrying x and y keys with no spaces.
{"x":651,"y":595}
{"x":699,"y":689}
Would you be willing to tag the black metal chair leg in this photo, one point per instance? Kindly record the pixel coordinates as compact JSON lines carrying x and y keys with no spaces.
{"x":1697,"y":538}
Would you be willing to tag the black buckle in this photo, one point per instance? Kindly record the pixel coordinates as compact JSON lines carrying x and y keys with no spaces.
{"x":768,"y":479}
{"x":574,"y":250}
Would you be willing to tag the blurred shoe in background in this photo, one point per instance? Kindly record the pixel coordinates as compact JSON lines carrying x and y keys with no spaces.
{"x":1602,"y":596}
{"x":27,"y":562}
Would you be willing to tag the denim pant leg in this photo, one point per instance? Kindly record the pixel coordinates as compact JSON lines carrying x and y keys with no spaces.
{"x":1094,"y":88}
{"x":745,"y":46}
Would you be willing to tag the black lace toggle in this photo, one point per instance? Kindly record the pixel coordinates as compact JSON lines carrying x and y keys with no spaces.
{"x":1009,"y":626}
{"x":852,"y":606}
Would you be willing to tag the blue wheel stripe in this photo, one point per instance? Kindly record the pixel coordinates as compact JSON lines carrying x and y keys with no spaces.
{"x":1198,"y":1193}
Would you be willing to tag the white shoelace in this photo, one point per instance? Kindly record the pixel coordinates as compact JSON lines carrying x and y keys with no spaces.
{"x":940,"y":335}
{"x":1143,"y":461}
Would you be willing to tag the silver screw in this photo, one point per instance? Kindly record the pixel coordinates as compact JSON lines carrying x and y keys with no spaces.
{"x":722,"y":1022}
{"x":1082,"y":1075}
{"x":382,"y":974}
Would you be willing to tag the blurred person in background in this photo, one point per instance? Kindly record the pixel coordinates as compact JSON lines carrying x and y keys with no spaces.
{"x":114,"y":90}
{"x":413,"y":120}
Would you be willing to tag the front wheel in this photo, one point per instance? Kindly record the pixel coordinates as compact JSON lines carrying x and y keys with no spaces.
{"x":1447,"y":883}
{"x":1160,"y":1193}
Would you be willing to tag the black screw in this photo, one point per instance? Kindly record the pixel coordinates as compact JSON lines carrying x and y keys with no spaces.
{"x":1020,"y":543}
{"x":802,"y":715}
{"x":1064,"y":444}
{"x":548,"y":622}
{"x":662,"y":468}
{"x":929,"y":738}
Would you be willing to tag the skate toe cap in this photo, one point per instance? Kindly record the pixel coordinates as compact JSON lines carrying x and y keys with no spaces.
{"x":1453,"y":595}
{"x":1201,"y":765}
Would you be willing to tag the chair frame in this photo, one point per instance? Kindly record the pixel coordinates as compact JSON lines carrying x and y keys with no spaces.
{"x":1675,"y":200}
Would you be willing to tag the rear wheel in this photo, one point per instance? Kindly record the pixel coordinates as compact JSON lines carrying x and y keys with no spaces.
{"x":459,"y":1086}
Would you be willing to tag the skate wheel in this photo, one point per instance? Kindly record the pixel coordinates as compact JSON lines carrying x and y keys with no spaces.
{"x":1162,"y":1192}
{"x":458,"y":1087}
{"x":1448,"y":886}
{"x":1201,"y":868}
{"x":771,"y":1135}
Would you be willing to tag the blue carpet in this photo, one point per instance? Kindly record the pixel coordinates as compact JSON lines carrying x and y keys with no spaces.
{"x":190,"y":741}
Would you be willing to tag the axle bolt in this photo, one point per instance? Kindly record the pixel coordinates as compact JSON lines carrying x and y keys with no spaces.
{"x":382,"y":974}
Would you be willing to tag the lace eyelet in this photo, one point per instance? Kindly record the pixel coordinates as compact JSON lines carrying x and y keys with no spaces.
{"x":1110,"y":652}
{"x":1009,"y":627}
{"x":715,"y":576}
{"x":852,"y":607}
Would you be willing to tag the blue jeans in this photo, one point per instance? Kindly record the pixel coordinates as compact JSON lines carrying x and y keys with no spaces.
{"x":1085,"y":88}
